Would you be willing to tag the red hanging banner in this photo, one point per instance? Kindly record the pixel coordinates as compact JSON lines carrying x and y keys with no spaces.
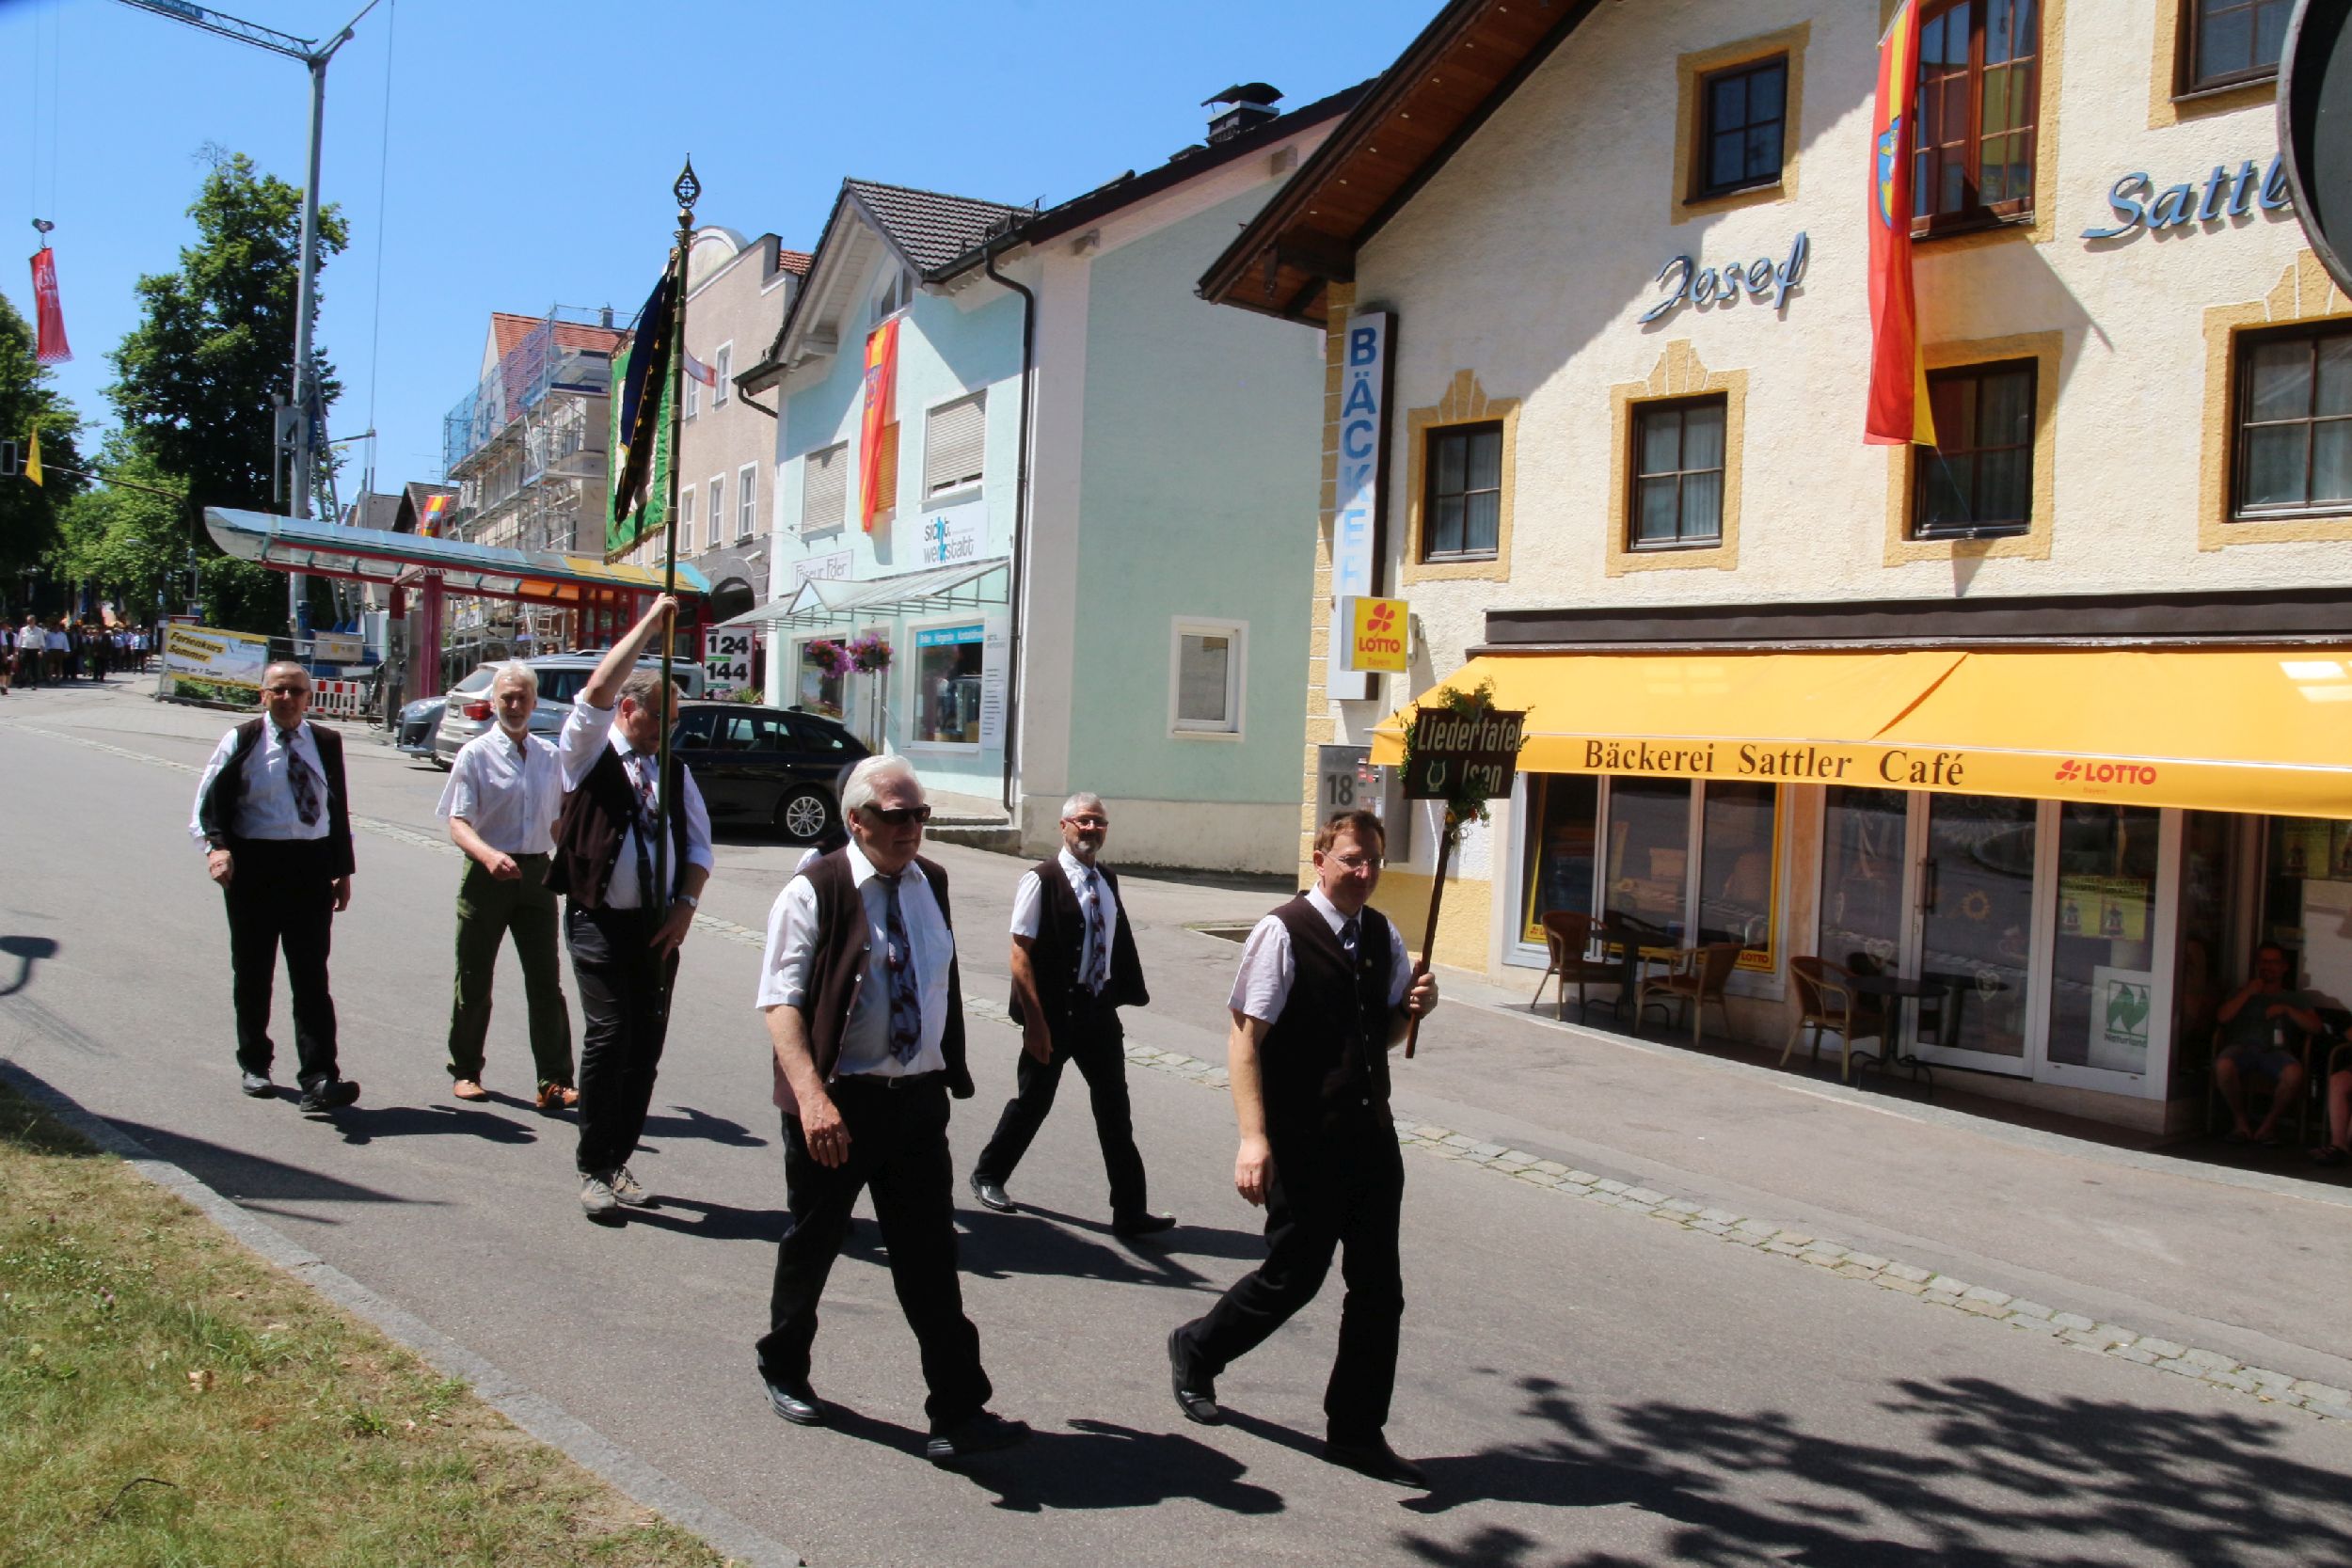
{"x":49,"y":348}
{"x":1898,"y":409}
{"x":881,"y":413}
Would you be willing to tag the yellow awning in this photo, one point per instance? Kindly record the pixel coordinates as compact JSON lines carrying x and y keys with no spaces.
{"x":2223,"y":729}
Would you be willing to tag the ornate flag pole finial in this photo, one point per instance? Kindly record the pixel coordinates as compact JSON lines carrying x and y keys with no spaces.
{"x":687,"y":189}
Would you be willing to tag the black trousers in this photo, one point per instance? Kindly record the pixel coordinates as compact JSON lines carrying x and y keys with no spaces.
{"x":281,"y":896}
{"x":1094,"y":1040}
{"x":1345,"y":1192}
{"x":899,"y":1146}
{"x":625,"y":1016}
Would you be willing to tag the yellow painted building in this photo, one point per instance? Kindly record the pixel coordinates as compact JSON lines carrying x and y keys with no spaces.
{"x":2052,"y":720}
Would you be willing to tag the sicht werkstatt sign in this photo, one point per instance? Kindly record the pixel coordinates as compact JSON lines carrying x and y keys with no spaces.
{"x":1373,"y":635}
{"x":1459,"y":754}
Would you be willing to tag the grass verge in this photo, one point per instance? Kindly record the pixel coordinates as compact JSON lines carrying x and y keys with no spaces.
{"x":167,"y":1399}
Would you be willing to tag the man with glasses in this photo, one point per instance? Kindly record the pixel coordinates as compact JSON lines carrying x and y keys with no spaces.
{"x":865,"y":1011}
{"x":623,"y":929}
{"x":1325,"y":992}
{"x":274,"y":821}
{"x":1073,"y":966}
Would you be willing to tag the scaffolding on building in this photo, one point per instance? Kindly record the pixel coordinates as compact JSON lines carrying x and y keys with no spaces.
{"x":527,"y":450}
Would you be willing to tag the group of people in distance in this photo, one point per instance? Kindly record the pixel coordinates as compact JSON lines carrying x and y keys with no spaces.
{"x":863,"y":999}
{"x":65,"y":650}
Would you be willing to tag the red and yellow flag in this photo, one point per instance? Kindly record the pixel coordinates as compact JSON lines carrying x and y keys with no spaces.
{"x":881,"y":387}
{"x":1897,"y":413}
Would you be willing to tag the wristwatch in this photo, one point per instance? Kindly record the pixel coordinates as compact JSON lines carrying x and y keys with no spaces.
{"x":688,"y":900}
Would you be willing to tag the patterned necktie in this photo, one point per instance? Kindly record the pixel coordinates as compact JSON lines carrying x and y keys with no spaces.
{"x":641,"y":777}
{"x":306,"y":789}
{"x":1349,"y":929}
{"x":1098,"y":966}
{"x":906,"y":997}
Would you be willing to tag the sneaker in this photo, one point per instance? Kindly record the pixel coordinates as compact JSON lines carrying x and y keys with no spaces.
{"x":258,"y":1086}
{"x":625,"y":1188}
{"x":328,"y":1094}
{"x":558,"y":1097}
{"x":468,"y":1088}
{"x":596,"y":1198}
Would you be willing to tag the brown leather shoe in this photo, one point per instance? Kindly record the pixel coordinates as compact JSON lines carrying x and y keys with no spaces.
{"x":466,"y":1088}
{"x":558,"y":1097}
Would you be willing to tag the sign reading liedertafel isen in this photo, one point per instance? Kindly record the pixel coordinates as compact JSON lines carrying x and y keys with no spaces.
{"x":1457,"y":754}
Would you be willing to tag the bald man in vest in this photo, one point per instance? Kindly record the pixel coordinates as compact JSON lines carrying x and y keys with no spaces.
{"x":1074,"y":967}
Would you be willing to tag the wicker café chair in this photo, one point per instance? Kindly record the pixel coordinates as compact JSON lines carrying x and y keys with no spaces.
{"x":1568,"y":936}
{"x":1694,"y":984}
{"x":1826,"y":1000}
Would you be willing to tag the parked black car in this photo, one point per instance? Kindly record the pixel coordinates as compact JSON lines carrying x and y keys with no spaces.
{"x":767,"y":767}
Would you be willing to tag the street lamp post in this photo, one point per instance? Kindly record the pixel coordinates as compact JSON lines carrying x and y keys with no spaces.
{"x":301,"y":435}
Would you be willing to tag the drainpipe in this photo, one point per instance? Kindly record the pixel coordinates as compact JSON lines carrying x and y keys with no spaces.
{"x":1020,"y":519}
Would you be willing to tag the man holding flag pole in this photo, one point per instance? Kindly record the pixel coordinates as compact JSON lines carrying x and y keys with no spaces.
{"x":632,"y":844}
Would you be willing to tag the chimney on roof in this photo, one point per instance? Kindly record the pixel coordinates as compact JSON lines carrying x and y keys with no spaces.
{"x":1246,"y":106}
{"x":604,"y":317}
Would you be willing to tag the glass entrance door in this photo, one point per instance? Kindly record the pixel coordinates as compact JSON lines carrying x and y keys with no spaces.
{"x":1973,"y":930}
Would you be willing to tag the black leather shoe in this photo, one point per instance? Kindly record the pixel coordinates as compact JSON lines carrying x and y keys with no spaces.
{"x":1196,"y":1394}
{"x":974,"y":1435}
{"x":258,"y":1086}
{"x":328,"y":1094}
{"x":991,"y":1194}
{"x":796,"y":1402}
{"x":1374,"y":1458}
{"x":1141,"y":1225}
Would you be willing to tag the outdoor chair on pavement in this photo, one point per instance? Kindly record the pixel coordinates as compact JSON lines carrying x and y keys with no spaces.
{"x":2260,"y":1094}
{"x":1826,"y":1000}
{"x":1568,"y":935}
{"x":1695,"y":980}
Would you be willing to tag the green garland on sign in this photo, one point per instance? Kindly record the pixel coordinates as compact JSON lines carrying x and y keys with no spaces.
{"x":1465,"y":804}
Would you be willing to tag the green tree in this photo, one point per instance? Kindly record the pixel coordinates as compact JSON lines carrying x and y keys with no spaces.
{"x":197,"y":378}
{"x":123,"y":539}
{"x":28,"y":512}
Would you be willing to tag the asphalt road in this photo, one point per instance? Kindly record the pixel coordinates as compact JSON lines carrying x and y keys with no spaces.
{"x":1587,"y":1387}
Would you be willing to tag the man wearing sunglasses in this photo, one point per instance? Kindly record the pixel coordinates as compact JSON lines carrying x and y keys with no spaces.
{"x":865,"y":1012}
{"x":1325,"y":992}
{"x":1073,"y":966}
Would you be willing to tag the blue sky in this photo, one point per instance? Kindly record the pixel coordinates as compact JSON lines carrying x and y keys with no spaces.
{"x":524,"y":163}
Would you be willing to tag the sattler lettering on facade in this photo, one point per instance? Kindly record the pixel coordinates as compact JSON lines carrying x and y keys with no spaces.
{"x":1701,"y":287}
{"x":2226,"y":193}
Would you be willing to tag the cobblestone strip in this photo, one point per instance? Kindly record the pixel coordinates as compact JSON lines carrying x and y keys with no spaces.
{"x":2071,"y":1329}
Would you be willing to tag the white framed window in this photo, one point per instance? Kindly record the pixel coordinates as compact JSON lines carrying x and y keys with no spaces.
{"x":746,"y":500}
{"x":693,"y":396}
{"x":896,"y":294}
{"x":717,"y":516}
{"x":685,"y":514}
{"x":1206,"y":681}
{"x":954,"y":438}
{"x":824,"y":489}
{"x":721,"y":366}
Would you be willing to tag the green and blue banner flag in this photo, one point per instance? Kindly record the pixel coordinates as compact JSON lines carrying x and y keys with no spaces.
{"x":641,"y":399}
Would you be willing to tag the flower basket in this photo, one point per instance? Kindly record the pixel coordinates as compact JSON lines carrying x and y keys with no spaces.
{"x":869,"y":654}
{"x":830,"y":657}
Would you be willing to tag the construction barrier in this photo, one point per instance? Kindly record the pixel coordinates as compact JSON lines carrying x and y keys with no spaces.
{"x":339,"y":699}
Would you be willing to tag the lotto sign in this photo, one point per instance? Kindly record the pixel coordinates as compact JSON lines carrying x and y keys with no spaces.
{"x":728,"y":660}
{"x":1376,"y":635}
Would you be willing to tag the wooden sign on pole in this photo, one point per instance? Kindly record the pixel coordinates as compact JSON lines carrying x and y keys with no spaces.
{"x":1463,"y":757}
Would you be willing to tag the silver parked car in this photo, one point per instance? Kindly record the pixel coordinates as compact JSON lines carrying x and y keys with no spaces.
{"x":467,"y":712}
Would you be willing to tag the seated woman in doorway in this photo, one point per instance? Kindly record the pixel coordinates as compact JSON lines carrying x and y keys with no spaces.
{"x":2257,"y":1023}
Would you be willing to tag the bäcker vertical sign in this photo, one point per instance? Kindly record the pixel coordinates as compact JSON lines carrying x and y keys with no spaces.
{"x":1356,"y":518}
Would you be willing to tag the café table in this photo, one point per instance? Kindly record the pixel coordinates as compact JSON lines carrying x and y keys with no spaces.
{"x":1637,"y":941}
{"x":1902,"y":990}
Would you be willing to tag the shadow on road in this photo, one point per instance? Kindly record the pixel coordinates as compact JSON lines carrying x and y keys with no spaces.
{"x":1094,"y":1464}
{"x":712,"y":1222}
{"x":364,"y":1124}
{"x":1985,"y":1475}
{"x":689,"y":1123}
{"x":1040,"y":1242}
{"x":251,"y":1179}
{"x":26,"y":951}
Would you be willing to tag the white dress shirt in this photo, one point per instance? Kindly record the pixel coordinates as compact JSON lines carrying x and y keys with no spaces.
{"x":586,"y":730}
{"x":1029,"y":901}
{"x":786,"y":979}
{"x":267,"y":809}
{"x":510,"y":795}
{"x":1268,"y":969}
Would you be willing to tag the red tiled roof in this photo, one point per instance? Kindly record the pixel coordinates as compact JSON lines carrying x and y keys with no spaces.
{"x":794,"y":262}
